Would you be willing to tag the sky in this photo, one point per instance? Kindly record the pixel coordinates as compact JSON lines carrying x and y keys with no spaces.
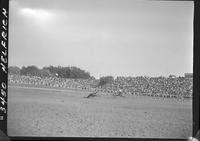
{"x":103,"y":37}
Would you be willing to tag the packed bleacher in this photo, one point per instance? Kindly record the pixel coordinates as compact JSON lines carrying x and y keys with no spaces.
{"x":176,"y":87}
{"x":51,"y":82}
{"x":152,"y":86}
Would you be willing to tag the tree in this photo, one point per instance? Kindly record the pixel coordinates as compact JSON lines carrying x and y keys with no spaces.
{"x":69,"y":72}
{"x":30,"y":70}
{"x":105,"y":79}
{"x":45,"y":72}
{"x":14,"y":70}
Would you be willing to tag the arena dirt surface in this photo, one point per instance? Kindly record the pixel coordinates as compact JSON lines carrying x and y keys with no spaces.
{"x":65,"y":113}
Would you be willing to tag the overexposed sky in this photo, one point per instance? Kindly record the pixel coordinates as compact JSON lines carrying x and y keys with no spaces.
{"x":104,"y":37}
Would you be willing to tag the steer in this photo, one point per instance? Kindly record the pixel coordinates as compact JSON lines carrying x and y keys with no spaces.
{"x":92,"y":94}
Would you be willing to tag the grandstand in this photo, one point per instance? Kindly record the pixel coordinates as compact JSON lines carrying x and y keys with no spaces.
{"x":171,"y":87}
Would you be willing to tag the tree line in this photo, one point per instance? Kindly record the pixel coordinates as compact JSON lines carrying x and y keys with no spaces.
{"x":51,"y":71}
{"x":60,"y":72}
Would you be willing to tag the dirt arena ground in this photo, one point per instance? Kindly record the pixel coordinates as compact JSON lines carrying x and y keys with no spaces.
{"x":65,"y":113}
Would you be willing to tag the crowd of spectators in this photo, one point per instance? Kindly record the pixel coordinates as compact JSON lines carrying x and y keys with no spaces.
{"x":150,"y":86}
{"x":85,"y":84}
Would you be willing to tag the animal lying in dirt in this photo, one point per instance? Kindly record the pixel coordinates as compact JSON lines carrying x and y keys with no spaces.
{"x":91,"y":95}
{"x":95,"y":94}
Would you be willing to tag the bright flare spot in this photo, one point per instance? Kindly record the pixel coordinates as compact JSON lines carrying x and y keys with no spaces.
{"x":192,"y":139}
{"x":37,"y":15}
